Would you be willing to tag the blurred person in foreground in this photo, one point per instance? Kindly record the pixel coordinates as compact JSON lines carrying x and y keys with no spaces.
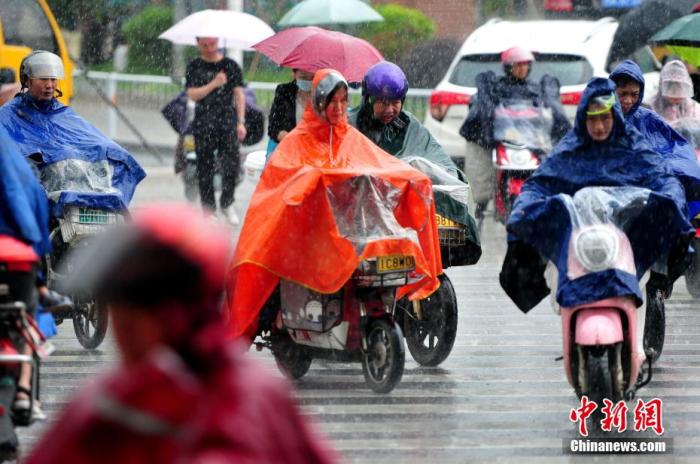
{"x":182,"y":392}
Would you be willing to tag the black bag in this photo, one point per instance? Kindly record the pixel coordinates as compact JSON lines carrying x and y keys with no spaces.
{"x":254,"y":119}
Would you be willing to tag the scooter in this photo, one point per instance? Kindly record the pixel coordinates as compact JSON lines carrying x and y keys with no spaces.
{"x":606,"y":342}
{"x":690,"y":129}
{"x":514,"y":164}
{"x":522,"y":131}
{"x":430,"y":325}
{"x":18,"y":267}
{"x":356,"y":324}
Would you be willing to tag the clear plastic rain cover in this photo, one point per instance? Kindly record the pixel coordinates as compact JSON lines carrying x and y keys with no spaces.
{"x":521,"y":123}
{"x":363,"y":207}
{"x":75,"y":175}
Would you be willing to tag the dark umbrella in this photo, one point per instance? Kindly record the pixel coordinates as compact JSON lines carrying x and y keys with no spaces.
{"x":639,"y":24}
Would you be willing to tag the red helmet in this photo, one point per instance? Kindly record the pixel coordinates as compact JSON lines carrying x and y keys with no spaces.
{"x":516,"y":55}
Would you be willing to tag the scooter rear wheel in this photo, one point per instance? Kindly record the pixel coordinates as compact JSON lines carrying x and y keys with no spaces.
{"x":384,"y":360}
{"x":692,"y":274}
{"x":431,"y":339}
{"x":292,"y":360}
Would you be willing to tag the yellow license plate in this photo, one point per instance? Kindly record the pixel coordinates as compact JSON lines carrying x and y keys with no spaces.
{"x":395,"y":263}
{"x":445,"y":222}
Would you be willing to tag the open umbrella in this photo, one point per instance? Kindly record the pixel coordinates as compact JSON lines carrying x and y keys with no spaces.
{"x":235,"y":29}
{"x":313,"y":48}
{"x":314,"y":12}
{"x":638,"y":25}
{"x":682,"y":37}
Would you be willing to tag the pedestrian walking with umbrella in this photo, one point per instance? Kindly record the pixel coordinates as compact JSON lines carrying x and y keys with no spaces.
{"x":215,"y":83}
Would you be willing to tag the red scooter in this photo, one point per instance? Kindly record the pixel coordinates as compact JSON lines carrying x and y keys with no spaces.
{"x":18,"y":266}
{"x":514,"y":164}
{"x":523,"y":131}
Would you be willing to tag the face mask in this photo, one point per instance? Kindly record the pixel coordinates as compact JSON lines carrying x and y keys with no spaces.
{"x":304,"y":85}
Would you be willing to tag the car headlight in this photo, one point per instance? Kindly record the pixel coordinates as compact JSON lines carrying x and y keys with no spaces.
{"x":596,"y":248}
{"x":520,"y":158}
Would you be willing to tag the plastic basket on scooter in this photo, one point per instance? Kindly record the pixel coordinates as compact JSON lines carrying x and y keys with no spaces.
{"x":304,"y":309}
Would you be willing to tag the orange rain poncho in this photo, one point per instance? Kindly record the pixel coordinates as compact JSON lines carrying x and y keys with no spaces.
{"x":328,"y":199}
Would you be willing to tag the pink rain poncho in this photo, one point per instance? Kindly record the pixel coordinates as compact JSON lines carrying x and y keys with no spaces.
{"x":674,"y":100}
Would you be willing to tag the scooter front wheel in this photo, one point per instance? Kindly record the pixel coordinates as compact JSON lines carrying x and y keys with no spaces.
{"x":384,"y":360}
{"x":430,"y":340}
{"x":90,"y":321}
{"x":654,"y":324}
{"x":292,"y":359}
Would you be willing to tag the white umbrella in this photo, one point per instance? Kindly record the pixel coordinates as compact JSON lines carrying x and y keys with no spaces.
{"x":235,"y":29}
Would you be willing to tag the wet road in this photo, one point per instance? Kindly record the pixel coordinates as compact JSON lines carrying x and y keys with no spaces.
{"x":501,"y":395}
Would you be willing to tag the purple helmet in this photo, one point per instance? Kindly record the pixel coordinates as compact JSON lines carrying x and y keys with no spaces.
{"x":385,"y":80}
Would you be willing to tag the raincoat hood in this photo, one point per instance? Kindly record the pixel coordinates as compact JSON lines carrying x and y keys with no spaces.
{"x":675,"y":82}
{"x":598,"y":87}
{"x":631,"y":70}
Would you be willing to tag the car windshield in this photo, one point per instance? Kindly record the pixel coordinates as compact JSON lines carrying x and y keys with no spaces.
{"x":569,"y":69}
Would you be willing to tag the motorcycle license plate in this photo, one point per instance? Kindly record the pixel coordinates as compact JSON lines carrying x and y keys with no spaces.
{"x":395,"y":263}
{"x":92,"y":216}
{"x":446,"y":223}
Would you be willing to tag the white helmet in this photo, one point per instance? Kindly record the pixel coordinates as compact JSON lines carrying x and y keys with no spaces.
{"x":40,"y":64}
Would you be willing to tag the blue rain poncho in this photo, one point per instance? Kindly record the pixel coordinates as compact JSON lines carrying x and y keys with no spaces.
{"x":24,"y":208}
{"x":666,"y":141}
{"x":78,"y":165}
{"x":541,"y":224}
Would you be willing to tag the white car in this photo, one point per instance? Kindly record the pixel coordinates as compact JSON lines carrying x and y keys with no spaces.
{"x":571,"y":50}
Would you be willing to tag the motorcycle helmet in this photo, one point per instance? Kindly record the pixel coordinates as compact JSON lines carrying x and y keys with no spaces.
{"x":515,"y":55}
{"x":386,"y":81}
{"x":325,"y":83}
{"x":40,"y":64}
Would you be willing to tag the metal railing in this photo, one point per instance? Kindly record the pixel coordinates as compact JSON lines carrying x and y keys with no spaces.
{"x":153,"y":92}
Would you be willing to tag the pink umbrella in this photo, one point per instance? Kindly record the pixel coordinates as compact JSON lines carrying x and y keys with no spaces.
{"x":313,"y":48}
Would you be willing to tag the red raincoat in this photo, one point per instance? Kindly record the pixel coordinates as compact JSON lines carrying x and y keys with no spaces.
{"x":296,"y":229}
{"x":160,"y":413}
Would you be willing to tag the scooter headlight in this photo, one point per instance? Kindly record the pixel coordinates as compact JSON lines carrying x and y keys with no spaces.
{"x":519,"y":158}
{"x":596,"y":248}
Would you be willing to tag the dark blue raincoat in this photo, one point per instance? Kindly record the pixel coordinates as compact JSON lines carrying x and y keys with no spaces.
{"x":492,"y":90}
{"x":55,"y":133}
{"x":540,"y":226}
{"x":676,"y":150}
{"x":24,"y":208}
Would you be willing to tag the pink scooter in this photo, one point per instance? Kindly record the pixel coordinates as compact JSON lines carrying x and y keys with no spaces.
{"x":603,"y":353}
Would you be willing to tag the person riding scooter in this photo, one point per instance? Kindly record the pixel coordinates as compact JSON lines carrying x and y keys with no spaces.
{"x":677,"y":153}
{"x":600,"y":151}
{"x":291,"y":214}
{"x":492,"y":91}
{"x":382,"y":118}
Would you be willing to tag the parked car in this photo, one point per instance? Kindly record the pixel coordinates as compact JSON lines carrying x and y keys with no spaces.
{"x":571,"y":50}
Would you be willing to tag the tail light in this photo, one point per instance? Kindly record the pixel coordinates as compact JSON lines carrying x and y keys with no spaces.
{"x":440,"y":102}
{"x":572,"y":98}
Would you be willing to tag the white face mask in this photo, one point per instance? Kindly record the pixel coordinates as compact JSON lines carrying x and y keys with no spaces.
{"x":304,"y":85}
